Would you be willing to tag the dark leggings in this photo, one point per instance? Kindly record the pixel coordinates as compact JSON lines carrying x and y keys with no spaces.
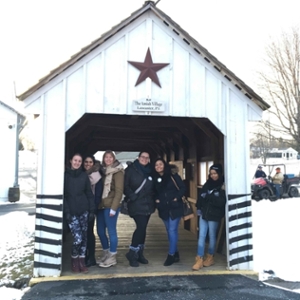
{"x":139,"y":235}
{"x":90,"y":248}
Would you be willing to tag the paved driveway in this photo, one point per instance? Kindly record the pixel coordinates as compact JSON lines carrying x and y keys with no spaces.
{"x":212,"y":287}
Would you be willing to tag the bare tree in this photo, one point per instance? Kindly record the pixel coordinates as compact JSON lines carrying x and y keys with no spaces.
{"x":260,"y":143}
{"x":280,"y":87}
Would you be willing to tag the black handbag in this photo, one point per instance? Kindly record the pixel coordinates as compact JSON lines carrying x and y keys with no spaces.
{"x":124,"y":207}
{"x":124,"y":204}
{"x":188,"y":212}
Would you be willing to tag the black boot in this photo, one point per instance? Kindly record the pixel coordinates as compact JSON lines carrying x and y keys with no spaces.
{"x":176,"y":257}
{"x":170,"y":260}
{"x":141,"y":257}
{"x":132,"y":257}
{"x":90,"y":261}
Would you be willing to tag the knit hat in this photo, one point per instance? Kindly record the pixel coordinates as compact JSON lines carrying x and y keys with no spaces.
{"x":218,"y":168}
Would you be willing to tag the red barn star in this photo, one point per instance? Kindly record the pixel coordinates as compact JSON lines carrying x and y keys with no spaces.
{"x":148,"y":69}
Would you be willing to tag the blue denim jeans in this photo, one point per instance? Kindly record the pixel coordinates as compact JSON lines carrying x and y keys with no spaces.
{"x":104,"y":221}
{"x":172,"y":230}
{"x":211,"y":227}
{"x":277,"y":189}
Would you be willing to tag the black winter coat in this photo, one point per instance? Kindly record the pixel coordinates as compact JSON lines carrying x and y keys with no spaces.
{"x":166,"y":191}
{"x":78,"y":195}
{"x":141,"y":203}
{"x":212,"y":205}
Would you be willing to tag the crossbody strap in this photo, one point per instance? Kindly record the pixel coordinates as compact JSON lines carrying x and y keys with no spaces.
{"x":141,"y":186}
{"x":175,"y":182}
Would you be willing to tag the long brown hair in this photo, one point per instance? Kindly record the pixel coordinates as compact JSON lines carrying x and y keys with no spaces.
{"x":108,"y":152}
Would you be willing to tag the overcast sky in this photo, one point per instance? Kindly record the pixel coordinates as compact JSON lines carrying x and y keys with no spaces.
{"x":38,"y":35}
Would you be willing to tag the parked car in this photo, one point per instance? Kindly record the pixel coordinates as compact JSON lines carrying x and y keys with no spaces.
{"x":263,"y":188}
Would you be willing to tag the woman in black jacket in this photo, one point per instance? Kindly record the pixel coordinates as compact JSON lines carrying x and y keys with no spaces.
{"x":211,"y":209}
{"x":139,"y":195}
{"x":92,"y":167}
{"x":169,"y":189}
{"x":79,"y":208}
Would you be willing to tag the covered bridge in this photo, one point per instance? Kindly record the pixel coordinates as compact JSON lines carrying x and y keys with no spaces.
{"x":145,"y":84}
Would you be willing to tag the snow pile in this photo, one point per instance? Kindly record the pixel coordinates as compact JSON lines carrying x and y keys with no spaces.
{"x":275,"y":238}
{"x":16,"y":250}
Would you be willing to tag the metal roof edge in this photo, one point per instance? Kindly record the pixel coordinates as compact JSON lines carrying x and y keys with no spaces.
{"x":12,"y":109}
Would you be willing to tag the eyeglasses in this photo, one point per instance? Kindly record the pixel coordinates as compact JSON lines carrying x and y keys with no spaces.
{"x":145,"y":157}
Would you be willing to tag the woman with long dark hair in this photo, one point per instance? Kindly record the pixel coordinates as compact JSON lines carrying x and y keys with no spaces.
{"x":92,"y":168}
{"x":139,"y":195}
{"x":169,"y":189}
{"x":79,"y":208}
{"x":211,"y":209}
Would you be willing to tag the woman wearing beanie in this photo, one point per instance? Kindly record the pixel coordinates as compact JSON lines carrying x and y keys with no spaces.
{"x":211,"y":209}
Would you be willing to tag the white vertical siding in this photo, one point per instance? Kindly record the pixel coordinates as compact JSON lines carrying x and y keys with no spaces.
{"x":162,"y":52}
{"x":49,"y":206}
{"x":75,"y":97}
{"x":197,"y":107}
{"x":180,"y":80}
{"x":239,"y":213}
{"x":114,"y":66}
{"x":94,"y":85}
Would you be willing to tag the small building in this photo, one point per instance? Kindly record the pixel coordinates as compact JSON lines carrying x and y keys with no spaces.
{"x":10,"y":125}
{"x":145,"y":85}
{"x":287,"y":153}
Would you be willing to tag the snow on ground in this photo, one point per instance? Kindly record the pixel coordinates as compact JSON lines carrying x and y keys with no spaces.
{"x":276,"y":228}
{"x":16,"y":251}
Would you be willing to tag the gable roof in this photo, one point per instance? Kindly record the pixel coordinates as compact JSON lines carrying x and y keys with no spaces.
{"x":150,"y":5}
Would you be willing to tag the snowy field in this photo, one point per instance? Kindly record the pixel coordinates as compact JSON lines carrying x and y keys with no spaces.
{"x":275,"y":233}
{"x":275,"y":230}
{"x":16,"y":252}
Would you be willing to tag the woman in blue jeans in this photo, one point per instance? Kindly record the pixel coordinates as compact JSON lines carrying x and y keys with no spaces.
{"x":169,"y":189}
{"x":109,"y":207}
{"x":211,"y":209}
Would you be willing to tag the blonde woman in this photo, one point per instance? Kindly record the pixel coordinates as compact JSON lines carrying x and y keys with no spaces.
{"x":109,"y":208}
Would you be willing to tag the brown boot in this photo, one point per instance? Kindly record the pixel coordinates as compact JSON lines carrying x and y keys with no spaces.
{"x":198,"y":263}
{"x":75,"y":264}
{"x":82,"y":266}
{"x":209,"y":260}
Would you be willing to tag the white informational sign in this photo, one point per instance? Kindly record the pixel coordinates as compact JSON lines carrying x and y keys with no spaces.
{"x":148,"y":105}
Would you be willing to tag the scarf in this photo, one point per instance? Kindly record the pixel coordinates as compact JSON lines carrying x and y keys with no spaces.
{"x":146,"y":170}
{"x":211,"y":184}
{"x":109,"y":172}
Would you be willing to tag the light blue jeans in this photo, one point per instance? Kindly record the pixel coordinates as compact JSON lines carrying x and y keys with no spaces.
{"x":104,"y":221}
{"x":172,"y":230}
{"x":211,"y":227}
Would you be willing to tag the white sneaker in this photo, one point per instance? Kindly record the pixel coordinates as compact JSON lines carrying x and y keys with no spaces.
{"x":111,"y":260}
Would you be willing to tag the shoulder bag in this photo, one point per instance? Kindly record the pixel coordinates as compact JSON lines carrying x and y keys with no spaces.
{"x":124,"y":205}
{"x":188,"y":212}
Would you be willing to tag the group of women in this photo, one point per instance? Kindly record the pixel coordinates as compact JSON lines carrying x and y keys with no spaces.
{"x":94,"y":189}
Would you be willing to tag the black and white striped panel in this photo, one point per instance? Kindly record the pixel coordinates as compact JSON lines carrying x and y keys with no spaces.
{"x":48,"y":235}
{"x":240,"y":232}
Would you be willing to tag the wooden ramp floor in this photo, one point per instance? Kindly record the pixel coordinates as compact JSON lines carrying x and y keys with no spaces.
{"x":156,"y":250}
